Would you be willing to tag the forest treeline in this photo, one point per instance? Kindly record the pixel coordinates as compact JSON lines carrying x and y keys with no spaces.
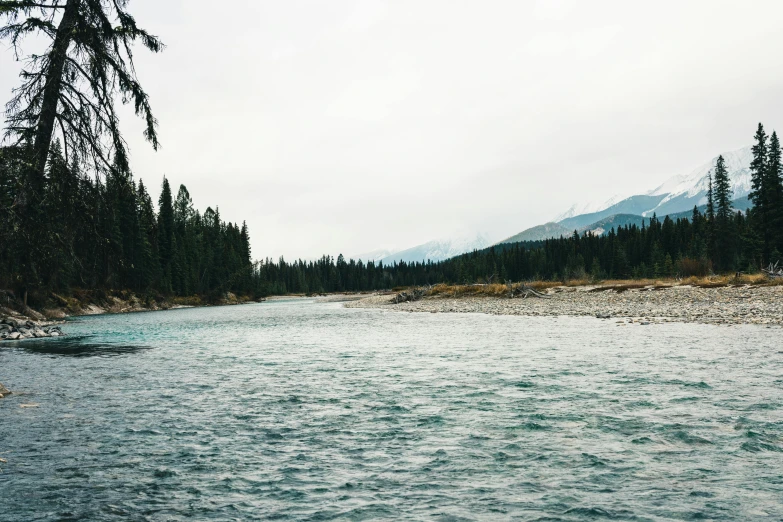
{"x":107,"y":234}
{"x":715,"y":239}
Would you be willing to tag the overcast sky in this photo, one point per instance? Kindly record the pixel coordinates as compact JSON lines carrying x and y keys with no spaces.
{"x":346,"y":126}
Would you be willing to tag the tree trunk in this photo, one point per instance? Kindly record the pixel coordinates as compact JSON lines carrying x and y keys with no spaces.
{"x":51,"y":93}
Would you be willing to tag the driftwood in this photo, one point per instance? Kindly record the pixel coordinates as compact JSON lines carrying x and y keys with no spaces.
{"x":414,"y":295}
{"x":773,"y":271}
{"x":524,"y":292}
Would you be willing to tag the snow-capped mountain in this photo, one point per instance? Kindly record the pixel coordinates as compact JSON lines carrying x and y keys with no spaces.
{"x":678,"y":194}
{"x":440,"y":249}
{"x":586,"y":208}
{"x":375,"y":255}
{"x":692,"y":187}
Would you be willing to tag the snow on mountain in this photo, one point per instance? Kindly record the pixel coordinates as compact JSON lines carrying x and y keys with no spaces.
{"x":586,"y":208}
{"x":677,"y":194}
{"x":439,"y":250}
{"x":737,"y":163}
{"x":375,"y":255}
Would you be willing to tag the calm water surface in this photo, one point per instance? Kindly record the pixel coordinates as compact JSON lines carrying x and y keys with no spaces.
{"x":293,"y":410}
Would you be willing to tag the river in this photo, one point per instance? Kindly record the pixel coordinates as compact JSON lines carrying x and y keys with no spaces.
{"x":302,"y":410}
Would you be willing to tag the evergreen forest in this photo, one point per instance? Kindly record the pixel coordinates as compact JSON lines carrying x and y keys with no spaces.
{"x":108,"y":234}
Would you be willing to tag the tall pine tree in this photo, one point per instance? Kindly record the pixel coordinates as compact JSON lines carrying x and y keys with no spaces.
{"x":166,"y":235}
{"x":775,"y":197}
{"x":710,"y":215}
{"x":759,"y":193}
{"x":722,"y":196}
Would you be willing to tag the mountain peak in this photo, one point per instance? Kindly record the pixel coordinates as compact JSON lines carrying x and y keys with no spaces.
{"x":586,"y":208}
{"x":737,"y":163}
{"x":440,"y":249}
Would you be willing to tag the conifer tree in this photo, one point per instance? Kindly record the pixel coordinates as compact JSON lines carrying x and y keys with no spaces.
{"x":759,"y":193}
{"x":166,"y":234}
{"x":710,"y":217}
{"x":72,"y":86}
{"x":724,"y":235}
{"x":722,"y":195}
{"x":146,"y":260}
{"x":775,"y":196}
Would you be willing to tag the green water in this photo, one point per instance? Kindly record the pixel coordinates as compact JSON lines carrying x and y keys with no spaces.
{"x":294,"y":410}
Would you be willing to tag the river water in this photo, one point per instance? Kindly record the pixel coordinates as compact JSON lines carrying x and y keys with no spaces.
{"x":296,"y":410}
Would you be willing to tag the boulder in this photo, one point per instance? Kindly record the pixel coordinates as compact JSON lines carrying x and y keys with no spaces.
{"x":13,"y":322}
{"x":13,"y":336}
{"x":4,"y":391}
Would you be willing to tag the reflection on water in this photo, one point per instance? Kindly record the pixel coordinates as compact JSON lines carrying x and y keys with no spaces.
{"x":308,"y":411}
{"x":78,"y":346}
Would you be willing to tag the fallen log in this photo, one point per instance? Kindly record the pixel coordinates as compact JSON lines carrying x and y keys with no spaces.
{"x":414,"y":295}
{"x":773,"y":271}
{"x":525,"y":291}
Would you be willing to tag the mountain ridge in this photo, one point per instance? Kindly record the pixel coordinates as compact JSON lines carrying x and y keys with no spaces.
{"x":439,"y":249}
{"x":678,"y":193}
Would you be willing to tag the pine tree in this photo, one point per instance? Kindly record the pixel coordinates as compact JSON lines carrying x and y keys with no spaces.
{"x":166,"y":234}
{"x":71,"y":87}
{"x":724,"y":235}
{"x":775,"y":196}
{"x":146,"y":260}
{"x":722,"y":194}
{"x":710,"y":221}
{"x":760,"y":190}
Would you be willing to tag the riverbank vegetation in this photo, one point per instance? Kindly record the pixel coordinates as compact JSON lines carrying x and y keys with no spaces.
{"x":616,"y":285}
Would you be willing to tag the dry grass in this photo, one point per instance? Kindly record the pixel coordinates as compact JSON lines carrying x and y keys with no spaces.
{"x":193,"y":300}
{"x":491,"y":290}
{"x":617,"y":285}
{"x":726,"y":280}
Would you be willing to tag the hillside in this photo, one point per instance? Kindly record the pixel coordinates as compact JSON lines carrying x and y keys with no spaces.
{"x":539,"y":233}
{"x":602,"y":226}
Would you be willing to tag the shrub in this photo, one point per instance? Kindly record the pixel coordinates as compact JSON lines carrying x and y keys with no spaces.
{"x":687,"y":267}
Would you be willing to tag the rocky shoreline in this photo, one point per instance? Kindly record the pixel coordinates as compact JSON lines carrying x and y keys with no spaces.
{"x":727,"y":305}
{"x":18,"y":328}
{"x":19,"y":322}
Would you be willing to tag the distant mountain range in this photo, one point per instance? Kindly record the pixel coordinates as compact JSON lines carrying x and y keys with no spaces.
{"x":676,"y":198}
{"x":375,"y":255}
{"x":439,"y":250}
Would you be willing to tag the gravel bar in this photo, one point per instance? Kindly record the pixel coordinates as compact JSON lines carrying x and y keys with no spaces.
{"x":685,"y":304}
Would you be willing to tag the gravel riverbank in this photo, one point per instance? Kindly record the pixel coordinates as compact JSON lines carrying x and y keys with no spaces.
{"x":724,"y":305}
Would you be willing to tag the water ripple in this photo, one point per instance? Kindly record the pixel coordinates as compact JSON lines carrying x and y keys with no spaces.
{"x":293,"y":410}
